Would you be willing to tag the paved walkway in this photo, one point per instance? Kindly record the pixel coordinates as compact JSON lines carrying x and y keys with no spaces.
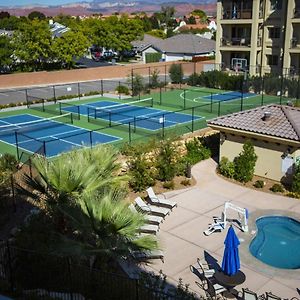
{"x":182,"y":238}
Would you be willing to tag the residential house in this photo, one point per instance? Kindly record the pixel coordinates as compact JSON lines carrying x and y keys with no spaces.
{"x":175,"y":48}
{"x":274,"y":130}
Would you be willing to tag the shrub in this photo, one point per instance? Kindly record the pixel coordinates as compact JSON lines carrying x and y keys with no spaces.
{"x":169,"y":185}
{"x":137,"y":82}
{"x":176,"y":73}
{"x":154,"y":79}
{"x":226,"y":167}
{"x":259,"y":184}
{"x":185,"y":182}
{"x":166,"y":161}
{"x":244,"y":164}
{"x":277,"y":188}
{"x":296,"y":180}
{"x":293,"y":195}
{"x":141,"y":173}
{"x":122,"y":89}
{"x":196,"y":151}
{"x":8,"y":162}
{"x":193,"y":79}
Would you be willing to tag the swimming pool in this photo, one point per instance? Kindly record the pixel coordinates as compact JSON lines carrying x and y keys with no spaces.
{"x":277,"y":242}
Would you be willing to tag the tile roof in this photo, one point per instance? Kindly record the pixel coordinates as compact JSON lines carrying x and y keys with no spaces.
{"x":283,"y":121}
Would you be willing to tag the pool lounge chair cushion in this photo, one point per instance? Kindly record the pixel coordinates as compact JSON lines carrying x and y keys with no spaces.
{"x":158,"y":200}
{"x":149,"y":218}
{"x":155,"y":210}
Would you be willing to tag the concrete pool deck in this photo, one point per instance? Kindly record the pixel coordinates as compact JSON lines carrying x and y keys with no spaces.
{"x":182,"y":239}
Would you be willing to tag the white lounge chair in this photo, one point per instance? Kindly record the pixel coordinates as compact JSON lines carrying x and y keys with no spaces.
{"x":216,"y":227}
{"x":205,"y":269}
{"x":149,"y":218}
{"x":158,"y":200}
{"x":247,"y":294}
{"x":149,"y":228}
{"x":152,"y":209}
{"x":212,"y":290}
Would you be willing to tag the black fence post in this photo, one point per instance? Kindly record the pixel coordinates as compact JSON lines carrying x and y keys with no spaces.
{"x":78,"y":88}
{"x":78,"y":111}
{"x":44,"y":146}
{"x":88,"y":114}
{"x":219,"y":108}
{"x":129,"y":132}
{"x":149,"y":76}
{"x":43,"y":104}
{"x":91,"y":138}
{"x":119,"y":90}
{"x":136,"y":289}
{"x":26,"y":95}
{"x":262,"y":90}
{"x":11,"y":278}
{"x":163,"y":126}
{"x":165,"y":77}
{"x":211,"y":102}
{"x":109,"y":117}
{"x":242,"y":100}
{"x":13,"y":192}
{"x":134,"y":124}
{"x":184,"y":98}
{"x":193,"y":116}
{"x":102,"y":87}
{"x":70,"y":278}
{"x":132,"y":83}
{"x":160,"y":96}
{"x":54,"y":93}
{"x":17,"y":145}
{"x":59,"y":107}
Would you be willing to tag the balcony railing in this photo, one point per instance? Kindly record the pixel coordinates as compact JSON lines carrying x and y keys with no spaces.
{"x":294,"y":42}
{"x":236,"y":41}
{"x":297,"y":12}
{"x":231,"y":14}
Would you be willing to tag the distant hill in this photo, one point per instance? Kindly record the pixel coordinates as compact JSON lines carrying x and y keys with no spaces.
{"x":109,"y":7}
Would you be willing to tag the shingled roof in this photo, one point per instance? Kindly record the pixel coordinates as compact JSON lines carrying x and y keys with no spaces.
{"x":273,"y":120}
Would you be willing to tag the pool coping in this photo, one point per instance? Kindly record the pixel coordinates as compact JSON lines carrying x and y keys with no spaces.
{"x":253,"y":263}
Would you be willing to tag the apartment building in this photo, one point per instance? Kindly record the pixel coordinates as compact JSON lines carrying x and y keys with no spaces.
{"x":258,"y":36}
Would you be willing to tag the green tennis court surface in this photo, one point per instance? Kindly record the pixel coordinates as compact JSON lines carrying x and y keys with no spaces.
{"x":200,"y":104}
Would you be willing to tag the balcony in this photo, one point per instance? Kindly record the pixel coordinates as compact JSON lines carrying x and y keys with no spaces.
{"x":237,"y":14}
{"x":236,"y":41}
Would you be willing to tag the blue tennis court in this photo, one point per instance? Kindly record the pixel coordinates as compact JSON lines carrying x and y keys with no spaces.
{"x":144,"y":117}
{"x":53,"y":135}
{"x":227,"y":96}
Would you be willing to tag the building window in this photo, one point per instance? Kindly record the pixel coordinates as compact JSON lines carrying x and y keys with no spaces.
{"x":274,"y":32}
{"x":272,"y":60}
{"x":276,"y":4}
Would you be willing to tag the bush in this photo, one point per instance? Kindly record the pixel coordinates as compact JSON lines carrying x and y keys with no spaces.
{"x":8,"y":162}
{"x":185,"y":182}
{"x":196,"y":151}
{"x":259,"y":184}
{"x":277,"y":188}
{"x":166,"y":161}
{"x":137,"y":82}
{"x":154,"y":79}
{"x":244,"y":164}
{"x":193,"y":79}
{"x":141,"y":173}
{"x":176,"y":73}
{"x":226,"y":167}
{"x":122,"y":89}
{"x":296,"y":180}
{"x":169,"y":185}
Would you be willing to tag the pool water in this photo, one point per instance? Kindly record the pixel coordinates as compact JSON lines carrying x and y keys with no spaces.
{"x":277,"y":242}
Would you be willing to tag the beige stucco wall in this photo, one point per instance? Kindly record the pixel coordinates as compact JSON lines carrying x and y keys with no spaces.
{"x":269,"y":162}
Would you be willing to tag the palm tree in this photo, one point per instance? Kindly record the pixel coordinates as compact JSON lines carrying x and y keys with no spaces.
{"x":103,"y":225}
{"x":83,"y":194}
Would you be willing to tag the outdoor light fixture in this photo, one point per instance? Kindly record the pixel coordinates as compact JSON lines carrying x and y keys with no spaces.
{"x":222,"y":137}
{"x":286,"y":153}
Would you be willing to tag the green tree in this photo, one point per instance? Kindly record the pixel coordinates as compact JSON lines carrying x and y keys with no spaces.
{"x":69,"y":46}
{"x":176,"y":73}
{"x":244,"y":164}
{"x":32,"y":44}
{"x":296,"y":180}
{"x":4,"y":14}
{"x":200,"y":13}
{"x":6,"y":52}
{"x":137,"y":82}
{"x":166,"y":161}
{"x":36,"y":15}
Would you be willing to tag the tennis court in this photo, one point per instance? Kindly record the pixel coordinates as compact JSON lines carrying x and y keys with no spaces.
{"x":49,"y":137}
{"x":227,"y":96}
{"x":139,"y":113}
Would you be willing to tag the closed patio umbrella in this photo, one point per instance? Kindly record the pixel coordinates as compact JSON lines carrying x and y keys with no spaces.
{"x":231,"y":260}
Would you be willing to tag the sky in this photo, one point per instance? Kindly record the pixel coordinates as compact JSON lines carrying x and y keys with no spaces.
{"x":30,"y":2}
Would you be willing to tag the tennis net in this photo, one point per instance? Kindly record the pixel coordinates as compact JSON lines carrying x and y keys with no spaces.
{"x":118,"y":109}
{"x":36,"y":124}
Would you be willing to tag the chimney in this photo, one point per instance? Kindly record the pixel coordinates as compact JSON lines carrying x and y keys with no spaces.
{"x":267,"y":116}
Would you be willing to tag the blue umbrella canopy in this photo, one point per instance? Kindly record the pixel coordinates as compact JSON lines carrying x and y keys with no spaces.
{"x":231,"y":260}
